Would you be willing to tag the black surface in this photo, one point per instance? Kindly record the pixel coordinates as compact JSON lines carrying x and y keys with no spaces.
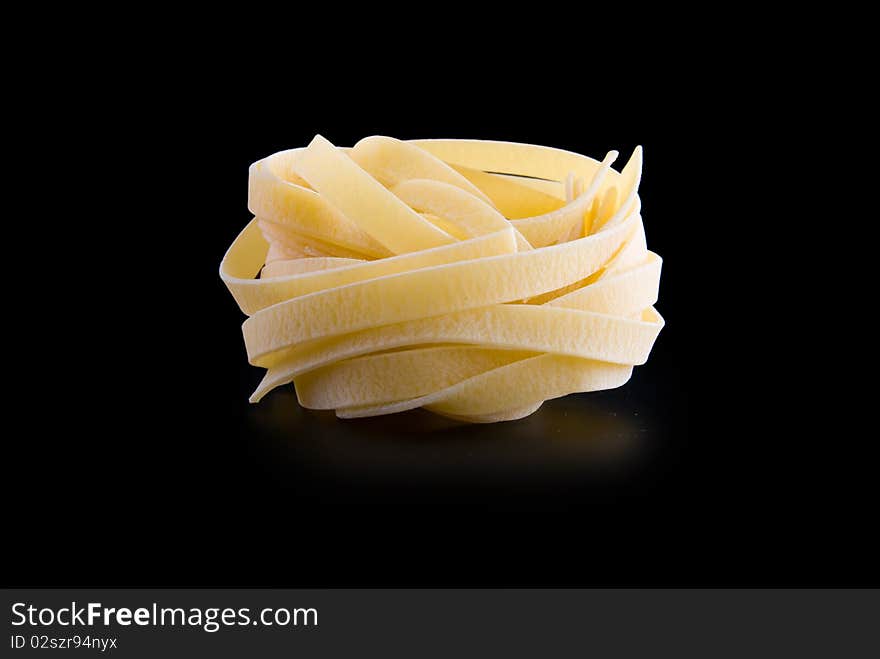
{"x":145,"y":465}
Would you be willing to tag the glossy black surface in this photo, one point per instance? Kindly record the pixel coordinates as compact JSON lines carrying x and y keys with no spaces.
{"x":144,"y":464}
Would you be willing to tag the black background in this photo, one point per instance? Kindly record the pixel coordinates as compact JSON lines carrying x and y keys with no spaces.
{"x":146,"y":465}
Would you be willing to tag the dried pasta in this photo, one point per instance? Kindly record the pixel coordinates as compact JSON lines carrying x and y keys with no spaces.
{"x":476,"y":279}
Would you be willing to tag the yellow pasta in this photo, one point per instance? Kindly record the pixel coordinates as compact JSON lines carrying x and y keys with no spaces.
{"x":475,"y":279}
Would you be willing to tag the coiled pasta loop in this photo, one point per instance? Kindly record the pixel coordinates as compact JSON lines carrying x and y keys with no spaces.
{"x":475,"y":279}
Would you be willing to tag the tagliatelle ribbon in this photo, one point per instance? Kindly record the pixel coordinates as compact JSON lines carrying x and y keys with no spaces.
{"x":475,"y":279}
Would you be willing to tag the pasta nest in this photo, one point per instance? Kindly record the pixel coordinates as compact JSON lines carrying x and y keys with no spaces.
{"x":476,"y":279}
